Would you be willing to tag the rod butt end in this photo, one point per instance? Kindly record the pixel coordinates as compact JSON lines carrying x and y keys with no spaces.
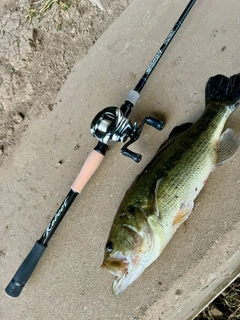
{"x":13,"y":289}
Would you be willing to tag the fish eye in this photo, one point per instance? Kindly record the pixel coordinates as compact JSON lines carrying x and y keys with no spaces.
{"x":109,"y":246}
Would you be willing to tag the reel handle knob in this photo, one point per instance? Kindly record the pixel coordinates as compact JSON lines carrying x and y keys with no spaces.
{"x":157,"y":124}
{"x":132,"y":155}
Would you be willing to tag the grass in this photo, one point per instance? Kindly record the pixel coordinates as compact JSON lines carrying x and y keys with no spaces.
{"x":226,"y":306}
{"x":38,"y":9}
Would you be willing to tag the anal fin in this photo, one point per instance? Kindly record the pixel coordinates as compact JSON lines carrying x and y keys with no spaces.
{"x":228,"y":145}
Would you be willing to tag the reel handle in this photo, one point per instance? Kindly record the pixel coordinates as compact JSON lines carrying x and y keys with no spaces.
{"x":135,"y":134}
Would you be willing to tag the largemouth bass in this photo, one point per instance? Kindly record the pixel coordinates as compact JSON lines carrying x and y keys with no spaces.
{"x":162,"y":196}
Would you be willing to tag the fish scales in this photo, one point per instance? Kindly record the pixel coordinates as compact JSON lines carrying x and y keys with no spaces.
{"x":162,"y":196}
{"x":189,"y":152}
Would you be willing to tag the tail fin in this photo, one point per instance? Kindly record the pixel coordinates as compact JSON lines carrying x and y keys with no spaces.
{"x":224,"y":90}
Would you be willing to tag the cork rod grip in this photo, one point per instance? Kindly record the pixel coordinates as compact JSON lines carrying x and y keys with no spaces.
{"x":91,"y":164}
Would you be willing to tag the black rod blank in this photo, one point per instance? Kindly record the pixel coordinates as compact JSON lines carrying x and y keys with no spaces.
{"x":164,"y":46}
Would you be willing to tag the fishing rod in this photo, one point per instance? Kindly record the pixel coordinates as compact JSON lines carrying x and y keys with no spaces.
{"x":111,"y":124}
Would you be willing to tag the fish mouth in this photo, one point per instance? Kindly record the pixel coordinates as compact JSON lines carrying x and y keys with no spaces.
{"x":133,"y":271}
{"x":124,"y":269}
{"x":116,"y":264}
{"x":116,"y":267}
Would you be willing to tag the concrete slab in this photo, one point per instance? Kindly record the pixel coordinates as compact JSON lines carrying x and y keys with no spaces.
{"x":68,"y":282}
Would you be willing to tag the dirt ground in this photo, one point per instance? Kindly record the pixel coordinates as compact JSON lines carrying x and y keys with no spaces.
{"x":36,"y":56}
{"x":226,"y":306}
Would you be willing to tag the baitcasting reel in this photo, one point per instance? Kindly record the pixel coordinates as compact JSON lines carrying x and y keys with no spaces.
{"x":110,"y":124}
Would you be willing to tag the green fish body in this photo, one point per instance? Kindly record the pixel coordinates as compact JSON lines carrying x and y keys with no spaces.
{"x":162,"y":197}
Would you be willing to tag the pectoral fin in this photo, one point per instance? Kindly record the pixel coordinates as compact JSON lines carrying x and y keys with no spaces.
{"x":183,"y":213}
{"x":228,"y":145}
{"x":153,"y":198}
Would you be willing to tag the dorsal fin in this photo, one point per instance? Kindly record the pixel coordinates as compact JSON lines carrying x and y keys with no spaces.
{"x":176,"y":131}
